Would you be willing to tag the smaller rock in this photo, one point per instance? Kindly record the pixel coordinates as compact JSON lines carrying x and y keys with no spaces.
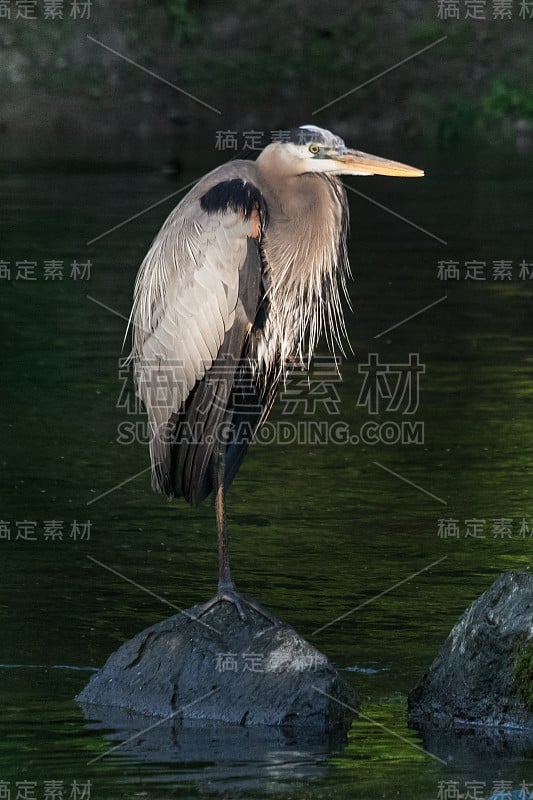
{"x":483,"y":674}
{"x":219,"y":667}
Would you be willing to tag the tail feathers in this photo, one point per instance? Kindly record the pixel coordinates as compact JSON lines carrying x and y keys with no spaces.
{"x":251,"y":405}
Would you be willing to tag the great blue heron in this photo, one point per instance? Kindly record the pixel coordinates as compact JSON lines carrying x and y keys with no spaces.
{"x":238,"y":284}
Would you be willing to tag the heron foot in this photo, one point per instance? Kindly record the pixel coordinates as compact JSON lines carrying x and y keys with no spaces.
{"x":240,"y":601}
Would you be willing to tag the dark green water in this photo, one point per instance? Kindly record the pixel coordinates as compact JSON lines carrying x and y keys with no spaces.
{"x":316,"y":529}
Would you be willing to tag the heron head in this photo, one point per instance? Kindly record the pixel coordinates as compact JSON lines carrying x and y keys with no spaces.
{"x":312,"y":149}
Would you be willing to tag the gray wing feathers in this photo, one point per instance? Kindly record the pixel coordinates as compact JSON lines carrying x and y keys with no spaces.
{"x":184,"y":303}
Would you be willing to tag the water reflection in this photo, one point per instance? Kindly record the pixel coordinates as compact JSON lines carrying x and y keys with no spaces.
{"x":228,"y":754}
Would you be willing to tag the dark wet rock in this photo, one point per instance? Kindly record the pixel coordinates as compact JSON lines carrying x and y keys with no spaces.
{"x":483,"y":674}
{"x":220,"y":668}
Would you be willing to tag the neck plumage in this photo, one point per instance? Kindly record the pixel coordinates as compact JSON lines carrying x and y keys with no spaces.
{"x":305,"y":252}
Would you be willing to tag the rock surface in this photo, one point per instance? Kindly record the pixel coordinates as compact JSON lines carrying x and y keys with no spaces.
{"x":221,"y":668}
{"x":482,"y":675}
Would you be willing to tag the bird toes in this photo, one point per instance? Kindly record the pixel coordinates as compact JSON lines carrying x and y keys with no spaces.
{"x":240,"y":602}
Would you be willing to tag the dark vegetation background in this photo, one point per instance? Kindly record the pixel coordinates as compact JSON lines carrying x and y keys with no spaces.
{"x":266,"y":66}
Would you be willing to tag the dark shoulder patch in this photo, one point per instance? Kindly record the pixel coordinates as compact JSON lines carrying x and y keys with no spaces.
{"x":238,"y":196}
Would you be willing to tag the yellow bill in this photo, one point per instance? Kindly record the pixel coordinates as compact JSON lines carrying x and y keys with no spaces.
{"x":354,"y":162}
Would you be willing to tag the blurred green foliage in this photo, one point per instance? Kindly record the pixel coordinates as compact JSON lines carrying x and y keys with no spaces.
{"x":315,"y":62}
{"x":186,"y":26}
{"x":490,"y":116}
{"x":504,"y":100}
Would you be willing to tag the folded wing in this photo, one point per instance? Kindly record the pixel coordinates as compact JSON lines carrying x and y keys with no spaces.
{"x":196,"y":298}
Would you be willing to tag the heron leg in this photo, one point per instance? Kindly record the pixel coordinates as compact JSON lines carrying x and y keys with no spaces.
{"x":225,"y":582}
{"x":226,"y":590}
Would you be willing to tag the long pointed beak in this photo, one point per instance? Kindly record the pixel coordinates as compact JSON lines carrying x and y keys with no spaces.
{"x":354,"y":162}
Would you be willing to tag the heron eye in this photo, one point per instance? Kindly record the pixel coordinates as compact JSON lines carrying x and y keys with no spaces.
{"x":314,"y":148}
